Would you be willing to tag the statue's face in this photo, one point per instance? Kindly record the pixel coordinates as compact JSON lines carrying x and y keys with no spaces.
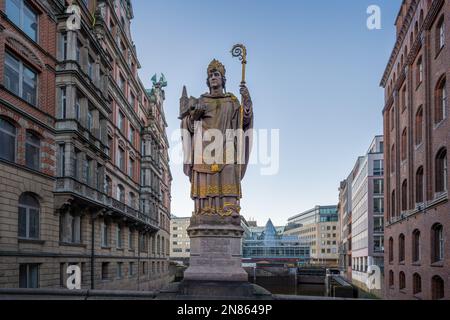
{"x":215,"y":79}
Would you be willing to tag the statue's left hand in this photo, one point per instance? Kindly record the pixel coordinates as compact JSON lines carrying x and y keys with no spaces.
{"x":244,"y":91}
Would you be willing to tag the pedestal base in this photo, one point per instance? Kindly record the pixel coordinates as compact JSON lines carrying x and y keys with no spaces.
{"x":215,"y":251}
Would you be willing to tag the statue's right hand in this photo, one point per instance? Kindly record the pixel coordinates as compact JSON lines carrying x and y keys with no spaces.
{"x":198,"y":112}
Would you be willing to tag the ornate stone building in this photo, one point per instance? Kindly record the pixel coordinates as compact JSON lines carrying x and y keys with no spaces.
{"x":416,"y":127}
{"x":84,"y":173}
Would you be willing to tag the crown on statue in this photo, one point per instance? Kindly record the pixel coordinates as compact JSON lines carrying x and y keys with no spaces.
{"x":216,"y":65}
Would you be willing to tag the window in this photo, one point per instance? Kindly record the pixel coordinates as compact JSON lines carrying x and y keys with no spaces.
{"x":402,"y":281}
{"x":105,"y":235}
{"x":20,"y":80}
{"x":131,"y":135}
{"x":119,"y":270}
{"x":121,"y":193}
{"x":90,"y":120}
{"x":62,"y":102}
{"x":132,"y":200}
{"x":393,"y":205}
{"x":7,"y":140}
{"x":401,"y":248}
{"x":61,"y":160}
{"x":419,"y":76}
{"x":32,"y":151}
{"x":119,"y":243}
{"x":88,"y":171}
{"x":131,"y":269}
{"x":404,"y":146}
{"x":416,"y":246}
{"x":121,"y":122}
{"x":378,"y":167}
{"x":405,"y":196}
{"x":21,"y":14}
{"x":378,"y":205}
{"x":393,"y":158}
{"x":131,"y":168}
{"x":70,"y":228}
{"x":419,"y":186}
{"x":437,"y":288}
{"x":78,"y":108}
{"x":440,"y":35}
{"x":28,"y":217}
{"x":378,"y":224}
{"x":441,"y":171}
{"x":132,"y":100}
{"x":378,"y":186}
{"x":130,"y":239}
{"x":105,"y":270}
{"x":122,"y":83}
{"x":437,"y":245}
{"x":440,"y":109}
{"x":419,"y":126}
{"x":391,"y":250}
{"x":391,"y":279}
{"x":121,"y":159}
{"x":29,"y":276}
{"x":90,"y":69}
{"x":63,"y":45}
{"x":404,"y":99}
{"x":108,"y":186}
{"x":417,"y":283}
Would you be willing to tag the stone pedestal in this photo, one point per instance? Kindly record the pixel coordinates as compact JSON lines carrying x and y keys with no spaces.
{"x":216,"y":250}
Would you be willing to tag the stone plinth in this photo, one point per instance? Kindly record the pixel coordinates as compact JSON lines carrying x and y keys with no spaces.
{"x":216,"y":248}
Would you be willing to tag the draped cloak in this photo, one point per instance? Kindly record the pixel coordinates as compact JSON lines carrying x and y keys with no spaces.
{"x":216,"y":185}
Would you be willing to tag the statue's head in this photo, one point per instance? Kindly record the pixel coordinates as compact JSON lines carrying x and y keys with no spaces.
{"x":216,"y":75}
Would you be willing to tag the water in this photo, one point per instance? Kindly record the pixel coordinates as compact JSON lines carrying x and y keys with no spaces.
{"x":286,"y":285}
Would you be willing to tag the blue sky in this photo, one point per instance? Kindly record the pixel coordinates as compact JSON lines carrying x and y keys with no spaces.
{"x":313,"y":71}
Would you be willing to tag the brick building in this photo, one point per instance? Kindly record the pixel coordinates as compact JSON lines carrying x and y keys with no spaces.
{"x":416,"y":127}
{"x":84,"y":157}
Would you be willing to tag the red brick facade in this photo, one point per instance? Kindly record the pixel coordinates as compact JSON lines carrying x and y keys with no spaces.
{"x":414,"y":136}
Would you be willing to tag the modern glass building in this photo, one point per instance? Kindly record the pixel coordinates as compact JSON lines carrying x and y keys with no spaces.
{"x":268,"y":245}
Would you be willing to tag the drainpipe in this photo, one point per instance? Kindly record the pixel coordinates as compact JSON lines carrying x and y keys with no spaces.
{"x":92,"y":251}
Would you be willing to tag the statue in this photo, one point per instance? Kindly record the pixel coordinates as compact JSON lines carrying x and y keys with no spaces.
{"x":216,"y":181}
{"x":215,"y":174}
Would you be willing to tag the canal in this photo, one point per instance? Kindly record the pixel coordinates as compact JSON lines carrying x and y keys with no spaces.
{"x":287,"y":285}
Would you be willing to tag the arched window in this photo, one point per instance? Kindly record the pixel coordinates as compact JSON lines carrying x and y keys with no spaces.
{"x":417,"y":283}
{"x":416,"y":246}
{"x":32,"y":151}
{"x":391,"y":250}
{"x":441,"y":171}
{"x":28,"y":216}
{"x":416,"y":29}
{"x":419,"y":186}
{"x":440,"y":109}
{"x":404,"y":146}
{"x":437,"y":288}
{"x":402,"y":280}
{"x":393,"y":204}
{"x":437,"y":243}
{"x":391,"y":279}
{"x":401,"y":248}
{"x":419,"y":74}
{"x":393,"y":158}
{"x":8,"y":134}
{"x":421,"y":18}
{"x":121,"y":193}
{"x":108,"y":186}
{"x":419,"y":126}
{"x":440,"y":34}
{"x":405,"y":196}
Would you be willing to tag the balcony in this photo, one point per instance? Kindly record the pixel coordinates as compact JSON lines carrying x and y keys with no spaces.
{"x":69,"y":185}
